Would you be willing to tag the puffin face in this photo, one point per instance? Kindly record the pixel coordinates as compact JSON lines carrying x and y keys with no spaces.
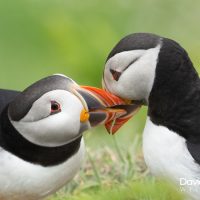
{"x":55,"y":111}
{"x":130,"y":67}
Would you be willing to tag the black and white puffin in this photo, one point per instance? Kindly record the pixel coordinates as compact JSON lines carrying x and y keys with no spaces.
{"x":41,"y":145}
{"x":158,"y":72}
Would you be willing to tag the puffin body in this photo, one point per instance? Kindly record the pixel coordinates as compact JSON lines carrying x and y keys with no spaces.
{"x":41,"y":144}
{"x":24,"y":180}
{"x":166,"y":155}
{"x":20,"y":179}
{"x":157,"y":72}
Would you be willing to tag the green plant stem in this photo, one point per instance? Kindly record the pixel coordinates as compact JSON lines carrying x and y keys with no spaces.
{"x":94,"y":168}
{"x":118,"y":149}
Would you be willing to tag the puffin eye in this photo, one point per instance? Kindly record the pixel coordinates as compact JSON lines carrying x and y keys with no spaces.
{"x":55,"y":107}
{"x":115,"y":74}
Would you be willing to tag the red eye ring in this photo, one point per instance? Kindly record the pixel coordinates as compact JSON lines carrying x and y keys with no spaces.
{"x":55,"y":107}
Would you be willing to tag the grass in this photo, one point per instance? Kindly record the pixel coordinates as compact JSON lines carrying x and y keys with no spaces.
{"x":113,"y":172}
{"x":142,"y":189}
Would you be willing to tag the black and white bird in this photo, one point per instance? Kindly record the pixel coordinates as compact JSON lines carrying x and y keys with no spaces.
{"x":158,"y":72}
{"x":41,"y":145}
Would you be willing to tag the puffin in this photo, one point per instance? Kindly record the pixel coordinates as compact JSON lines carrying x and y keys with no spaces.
{"x":157,"y":72}
{"x":41,"y":134}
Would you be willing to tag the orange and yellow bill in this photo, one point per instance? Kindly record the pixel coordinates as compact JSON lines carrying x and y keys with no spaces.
{"x":107,"y":109}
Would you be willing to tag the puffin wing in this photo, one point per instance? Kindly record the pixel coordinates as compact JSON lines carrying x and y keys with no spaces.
{"x":194,"y":150}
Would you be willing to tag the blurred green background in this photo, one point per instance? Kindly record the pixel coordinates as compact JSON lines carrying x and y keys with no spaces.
{"x":38,"y":38}
{"x":42,"y":37}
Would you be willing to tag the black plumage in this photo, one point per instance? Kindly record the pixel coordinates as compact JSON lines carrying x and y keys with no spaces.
{"x":174,"y":100}
{"x":135,"y":41}
{"x":6,"y":96}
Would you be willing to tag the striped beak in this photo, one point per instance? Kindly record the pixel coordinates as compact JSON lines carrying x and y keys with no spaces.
{"x":106,"y":108}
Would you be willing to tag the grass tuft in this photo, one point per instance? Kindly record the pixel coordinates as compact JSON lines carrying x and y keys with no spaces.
{"x":116,"y":173}
{"x":146,"y":189}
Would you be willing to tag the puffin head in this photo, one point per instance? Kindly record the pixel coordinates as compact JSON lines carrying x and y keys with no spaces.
{"x":144,"y":67}
{"x":55,"y":110}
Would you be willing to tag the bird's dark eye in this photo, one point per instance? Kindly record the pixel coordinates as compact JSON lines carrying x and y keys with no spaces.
{"x":55,"y":107}
{"x":115,"y":74}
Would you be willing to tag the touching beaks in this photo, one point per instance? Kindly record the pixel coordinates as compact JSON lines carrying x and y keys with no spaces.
{"x":102,"y":107}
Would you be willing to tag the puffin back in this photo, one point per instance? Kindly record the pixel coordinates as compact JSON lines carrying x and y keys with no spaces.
{"x":6,"y":96}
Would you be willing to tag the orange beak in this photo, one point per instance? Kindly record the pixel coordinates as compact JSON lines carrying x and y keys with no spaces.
{"x":106,"y":108}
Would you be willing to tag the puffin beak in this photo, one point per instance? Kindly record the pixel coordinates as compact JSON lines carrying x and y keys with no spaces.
{"x":102,"y":107}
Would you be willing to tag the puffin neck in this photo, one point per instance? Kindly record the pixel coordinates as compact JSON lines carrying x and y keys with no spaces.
{"x":12,"y":141}
{"x":174,"y":101}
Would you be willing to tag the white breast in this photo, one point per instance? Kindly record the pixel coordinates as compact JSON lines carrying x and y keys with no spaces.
{"x":20,"y":180}
{"x":166,"y":154}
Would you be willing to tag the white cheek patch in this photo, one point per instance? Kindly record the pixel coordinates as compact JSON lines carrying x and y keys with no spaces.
{"x":39,"y":110}
{"x":137,"y":80}
{"x":121,"y":60}
{"x":141,"y":74}
{"x":53,"y":130}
